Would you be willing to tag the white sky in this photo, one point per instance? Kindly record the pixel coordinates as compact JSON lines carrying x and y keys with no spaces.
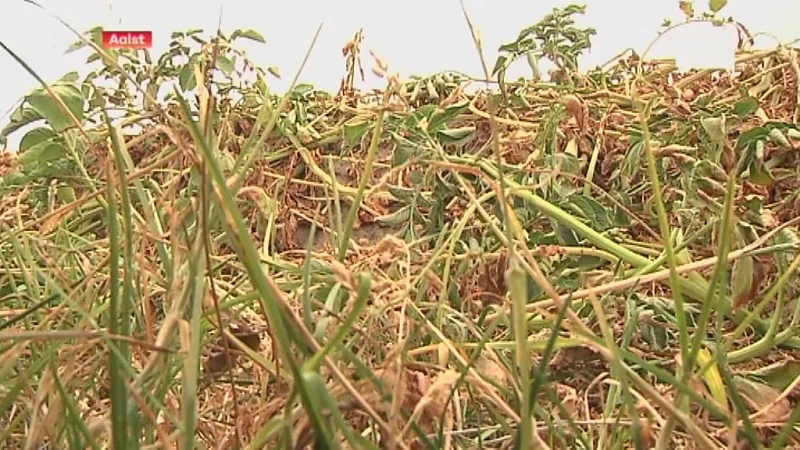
{"x":412,"y":36}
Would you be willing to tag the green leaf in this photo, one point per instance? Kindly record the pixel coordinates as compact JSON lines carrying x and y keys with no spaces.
{"x":251,"y":34}
{"x":396,"y":218}
{"x":405,"y":195}
{"x":356,"y":128}
{"x":423,"y":113}
{"x":759,"y":174}
{"x":452,"y":136}
{"x":499,"y":65}
{"x":779,"y":375}
{"x":439,"y":119}
{"x":44,"y":152}
{"x":745,"y":107}
{"x":403,"y":150}
{"x":51,"y":110}
{"x":302,"y":89}
{"x":593,"y":211}
{"x":716,"y":5}
{"x":68,"y":78}
{"x":225,"y":65}
{"x":75,"y":46}
{"x":22,"y":116}
{"x":186,"y":78}
{"x":94,"y":35}
{"x":565,"y":234}
{"x":750,"y":137}
{"x":35,"y":137}
{"x":65,"y":194}
{"x":632,"y":162}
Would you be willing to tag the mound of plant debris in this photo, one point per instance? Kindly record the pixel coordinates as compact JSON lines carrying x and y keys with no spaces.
{"x":188,"y":259}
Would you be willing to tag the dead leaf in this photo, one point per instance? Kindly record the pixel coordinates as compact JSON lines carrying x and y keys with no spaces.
{"x":763,"y":400}
{"x":493,"y":370}
{"x":746,"y":279}
{"x":577,"y":109}
{"x":779,"y":375}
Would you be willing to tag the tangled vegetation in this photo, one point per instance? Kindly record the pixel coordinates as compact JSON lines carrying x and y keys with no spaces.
{"x":607,"y":259}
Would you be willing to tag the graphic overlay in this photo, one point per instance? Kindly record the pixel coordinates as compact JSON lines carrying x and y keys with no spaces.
{"x":127,"y":39}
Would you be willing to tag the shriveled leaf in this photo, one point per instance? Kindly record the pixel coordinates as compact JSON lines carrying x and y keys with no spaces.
{"x":760,"y":396}
{"x":787,"y":236}
{"x":489,"y":366}
{"x":779,"y":375}
{"x":715,"y":127}
{"x":742,"y":281}
{"x":431,"y":88}
{"x":777,"y":136}
{"x":243,"y":333}
{"x":572,"y":148}
{"x":217,"y":361}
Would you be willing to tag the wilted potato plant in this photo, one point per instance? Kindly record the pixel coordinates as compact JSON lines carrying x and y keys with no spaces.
{"x":604,"y":259}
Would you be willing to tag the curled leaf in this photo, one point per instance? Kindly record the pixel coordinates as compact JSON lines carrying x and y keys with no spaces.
{"x":777,"y":136}
{"x":745,"y":281}
{"x":712,"y":378}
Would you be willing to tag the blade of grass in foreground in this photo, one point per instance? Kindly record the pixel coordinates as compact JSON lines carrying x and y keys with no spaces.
{"x":127,"y":295}
{"x":269,"y":295}
{"x":118,"y":391}
{"x":73,"y":415}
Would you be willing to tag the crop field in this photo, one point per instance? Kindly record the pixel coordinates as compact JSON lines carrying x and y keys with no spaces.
{"x":600,"y":259}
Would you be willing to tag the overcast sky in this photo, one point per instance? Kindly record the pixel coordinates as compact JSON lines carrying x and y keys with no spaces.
{"x":412,"y":36}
